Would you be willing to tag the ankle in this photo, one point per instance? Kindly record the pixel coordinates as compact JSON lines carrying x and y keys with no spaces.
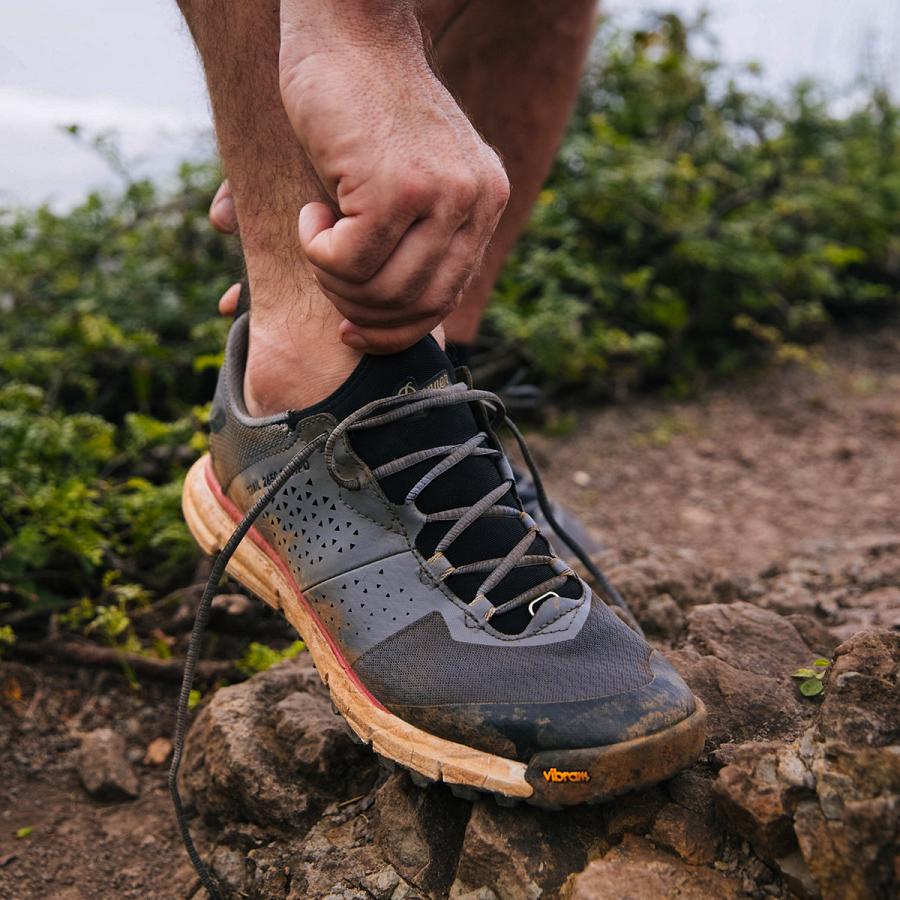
{"x":291,"y":371}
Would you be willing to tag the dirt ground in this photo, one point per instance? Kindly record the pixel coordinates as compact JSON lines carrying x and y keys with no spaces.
{"x":742,"y":476}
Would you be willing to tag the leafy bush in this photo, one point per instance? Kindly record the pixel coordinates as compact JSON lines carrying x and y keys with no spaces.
{"x":689,"y":229}
{"x":104,"y":314}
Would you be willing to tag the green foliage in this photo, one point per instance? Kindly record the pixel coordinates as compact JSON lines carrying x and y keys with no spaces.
{"x":260,"y":657}
{"x":7,"y":638}
{"x":812,"y":682}
{"x":691,"y":227}
{"x":103,"y":312}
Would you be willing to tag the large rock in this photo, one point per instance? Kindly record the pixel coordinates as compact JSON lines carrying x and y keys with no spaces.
{"x":850,"y":834}
{"x":834,"y":793}
{"x":261,"y":751}
{"x":525,"y":853}
{"x":103,"y":766}
{"x":420,"y":832}
{"x":636,"y":870}
{"x":741,"y":705}
{"x":794,"y":794}
{"x":758,"y":791}
{"x":686,"y":833}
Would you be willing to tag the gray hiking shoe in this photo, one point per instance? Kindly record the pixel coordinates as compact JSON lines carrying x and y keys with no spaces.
{"x":451,"y":637}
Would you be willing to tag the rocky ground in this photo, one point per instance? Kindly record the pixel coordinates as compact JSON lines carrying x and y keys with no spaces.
{"x":755,"y":530}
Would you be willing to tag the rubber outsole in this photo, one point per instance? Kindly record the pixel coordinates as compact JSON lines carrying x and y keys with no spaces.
{"x":546,"y":781}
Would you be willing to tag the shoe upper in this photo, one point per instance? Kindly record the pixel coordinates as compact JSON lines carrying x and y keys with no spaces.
{"x":560,"y":672}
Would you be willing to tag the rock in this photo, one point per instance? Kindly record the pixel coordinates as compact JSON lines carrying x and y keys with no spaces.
{"x":686,"y":833}
{"x":250,"y":756}
{"x":232,"y":604}
{"x":318,"y":741}
{"x":850,"y":834}
{"x":797,"y":876}
{"x":741,"y":705}
{"x":663,"y":616}
{"x":820,"y":640}
{"x":748,"y":638}
{"x":861,"y":702}
{"x":633,"y":812}
{"x":524,"y":852}
{"x":757,"y":791}
{"x":677,"y":574}
{"x":103,"y":766}
{"x":158,"y":752}
{"x":692,"y":789}
{"x":420,"y":832}
{"x":636,"y":870}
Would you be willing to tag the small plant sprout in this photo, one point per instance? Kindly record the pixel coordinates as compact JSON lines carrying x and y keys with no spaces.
{"x":813,"y":678}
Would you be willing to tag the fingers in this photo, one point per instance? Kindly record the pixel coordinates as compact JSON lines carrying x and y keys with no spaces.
{"x":401,"y":280}
{"x":397,"y":329}
{"x":222,"y":212}
{"x":228,"y":302}
{"x":384,"y":341}
{"x":397,"y":268}
{"x":352,"y":248}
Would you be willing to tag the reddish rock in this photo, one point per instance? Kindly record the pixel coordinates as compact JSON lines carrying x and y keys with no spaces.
{"x":636,"y":870}
{"x":757,"y":791}
{"x":686,"y":833}
{"x":748,"y":638}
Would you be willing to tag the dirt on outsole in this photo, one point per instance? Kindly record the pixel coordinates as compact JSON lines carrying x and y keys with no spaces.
{"x":742,"y":476}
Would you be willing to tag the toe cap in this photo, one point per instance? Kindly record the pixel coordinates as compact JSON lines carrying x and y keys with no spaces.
{"x":519,"y":730}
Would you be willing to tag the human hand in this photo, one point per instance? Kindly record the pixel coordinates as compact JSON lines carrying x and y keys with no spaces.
{"x":418,"y":191}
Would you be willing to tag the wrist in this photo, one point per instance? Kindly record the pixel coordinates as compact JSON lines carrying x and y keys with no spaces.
{"x":322,"y":29}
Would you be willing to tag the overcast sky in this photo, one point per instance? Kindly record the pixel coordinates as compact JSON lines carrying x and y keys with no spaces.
{"x":129,"y":65}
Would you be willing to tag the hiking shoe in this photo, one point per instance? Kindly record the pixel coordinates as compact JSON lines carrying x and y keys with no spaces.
{"x":384,"y":523}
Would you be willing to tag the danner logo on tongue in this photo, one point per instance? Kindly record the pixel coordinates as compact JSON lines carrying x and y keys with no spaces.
{"x":441,"y":380}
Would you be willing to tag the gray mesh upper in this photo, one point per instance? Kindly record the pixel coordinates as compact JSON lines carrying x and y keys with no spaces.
{"x":423,"y":666}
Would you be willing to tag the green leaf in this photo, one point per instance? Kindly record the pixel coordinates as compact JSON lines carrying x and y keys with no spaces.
{"x":812,"y":687}
{"x":193,"y":699}
{"x":24,"y":832}
{"x":804,"y":673}
{"x":824,"y":663}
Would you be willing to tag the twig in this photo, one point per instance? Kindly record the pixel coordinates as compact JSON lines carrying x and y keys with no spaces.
{"x":107,"y":657}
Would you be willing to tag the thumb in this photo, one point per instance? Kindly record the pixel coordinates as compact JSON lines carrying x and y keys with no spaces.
{"x":314,"y":219}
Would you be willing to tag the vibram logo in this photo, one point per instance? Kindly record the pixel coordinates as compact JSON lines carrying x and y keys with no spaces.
{"x":556,"y":775}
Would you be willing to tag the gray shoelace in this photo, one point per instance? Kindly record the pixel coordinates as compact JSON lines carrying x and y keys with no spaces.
{"x":385,"y":412}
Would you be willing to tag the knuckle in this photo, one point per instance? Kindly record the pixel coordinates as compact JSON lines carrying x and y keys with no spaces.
{"x":497,"y":187}
{"x":413,"y":192}
{"x":462,"y":190}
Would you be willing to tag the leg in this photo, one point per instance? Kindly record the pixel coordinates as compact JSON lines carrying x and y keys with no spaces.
{"x":514,"y":67}
{"x":295,"y":356}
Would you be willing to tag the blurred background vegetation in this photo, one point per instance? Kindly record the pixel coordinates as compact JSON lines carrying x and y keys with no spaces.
{"x":691,"y":229}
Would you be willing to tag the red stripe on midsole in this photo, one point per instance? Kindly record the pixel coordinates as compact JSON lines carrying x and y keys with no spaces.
{"x":236,"y":515}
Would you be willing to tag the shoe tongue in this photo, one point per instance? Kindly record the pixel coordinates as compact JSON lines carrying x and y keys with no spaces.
{"x":425,"y":365}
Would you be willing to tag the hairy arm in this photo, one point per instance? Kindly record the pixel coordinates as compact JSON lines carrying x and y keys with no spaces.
{"x":416,"y":193}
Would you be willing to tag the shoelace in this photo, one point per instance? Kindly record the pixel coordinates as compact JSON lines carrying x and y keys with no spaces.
{"x":385,"y":412}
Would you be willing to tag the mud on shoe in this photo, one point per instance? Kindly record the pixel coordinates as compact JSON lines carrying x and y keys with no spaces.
{"x":384,"y":523}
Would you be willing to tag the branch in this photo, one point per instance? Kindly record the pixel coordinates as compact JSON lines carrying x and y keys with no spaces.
{"x":106,"y":657}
